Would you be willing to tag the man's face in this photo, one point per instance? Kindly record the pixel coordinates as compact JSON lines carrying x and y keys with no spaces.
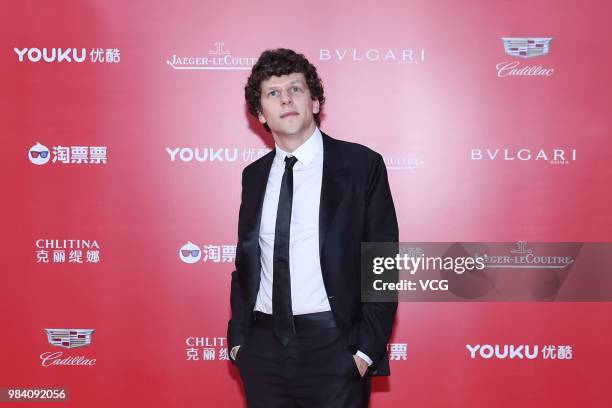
{"x":287,"y":107}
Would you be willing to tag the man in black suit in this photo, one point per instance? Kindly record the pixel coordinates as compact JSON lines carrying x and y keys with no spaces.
{"x":299,"y":332}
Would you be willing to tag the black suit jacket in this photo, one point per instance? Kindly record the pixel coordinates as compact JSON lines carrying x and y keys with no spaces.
{"x":356,"y":205}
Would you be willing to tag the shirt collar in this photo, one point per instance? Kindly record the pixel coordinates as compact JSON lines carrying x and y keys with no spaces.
{"x":306,"y":152}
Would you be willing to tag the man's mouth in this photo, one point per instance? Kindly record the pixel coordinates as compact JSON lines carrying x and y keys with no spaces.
{"x":287,"y":114}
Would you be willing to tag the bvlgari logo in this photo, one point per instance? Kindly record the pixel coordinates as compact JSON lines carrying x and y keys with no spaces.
{"x":217,"y":58}
{"x":524,"y":47}
{"x":373,"y":55}
{"x":556,"y":156}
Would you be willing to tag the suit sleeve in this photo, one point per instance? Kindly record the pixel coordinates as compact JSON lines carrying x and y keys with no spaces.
{"x":372,"y":333}
{"x":237,"y":326}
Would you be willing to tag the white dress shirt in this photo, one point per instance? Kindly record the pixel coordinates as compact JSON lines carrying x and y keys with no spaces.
{"x":308,"y":293}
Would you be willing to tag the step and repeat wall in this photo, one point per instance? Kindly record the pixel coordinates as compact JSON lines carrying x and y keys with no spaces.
{"x":125,"y":133}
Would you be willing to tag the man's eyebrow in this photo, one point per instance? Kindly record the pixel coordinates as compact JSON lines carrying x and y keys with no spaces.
{"x":298,"y":81}
{"x":268,"y":87}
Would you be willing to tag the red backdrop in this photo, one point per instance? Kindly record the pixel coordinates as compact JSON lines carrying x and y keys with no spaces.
{"x":140,"y":106}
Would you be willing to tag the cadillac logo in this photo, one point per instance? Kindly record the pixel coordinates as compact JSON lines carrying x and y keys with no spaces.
{"x":69,"y":338}
{"x":526,"y":47}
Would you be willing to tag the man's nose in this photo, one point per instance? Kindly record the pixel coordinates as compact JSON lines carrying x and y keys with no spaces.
{"x":285,"y":98}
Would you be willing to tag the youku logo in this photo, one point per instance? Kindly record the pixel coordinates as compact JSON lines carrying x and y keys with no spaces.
{"x":526,"y":47}
{"x":520,"y":351}
{"x":68,"y":55}
{"x":69,"y":339}
{"x":204,"y":154}
{"x":212,"y":154}
{"x":218,"y":58}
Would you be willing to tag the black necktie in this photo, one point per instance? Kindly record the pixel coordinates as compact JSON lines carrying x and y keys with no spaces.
{"x":282,"y":313}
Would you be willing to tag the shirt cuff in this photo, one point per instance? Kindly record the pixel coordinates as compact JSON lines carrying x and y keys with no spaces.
{"x":233,"y":352}
{"x":364,"y":357}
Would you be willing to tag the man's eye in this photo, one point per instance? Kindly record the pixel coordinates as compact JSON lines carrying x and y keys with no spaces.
{"x":295,"y":89}
{"x":272,"y":93}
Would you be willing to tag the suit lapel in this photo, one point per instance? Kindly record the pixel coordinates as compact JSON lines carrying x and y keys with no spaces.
{"x":256,"y":190}
{"x":335,"y":179}
{"x":333,"y":187}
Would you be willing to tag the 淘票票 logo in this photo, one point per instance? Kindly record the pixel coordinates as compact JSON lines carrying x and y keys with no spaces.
{"x":39,"y":154}
{"x":190,"y":253}
{"x":215,"y":253}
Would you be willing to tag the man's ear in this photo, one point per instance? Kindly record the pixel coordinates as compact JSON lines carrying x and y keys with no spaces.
{"x":261,"y":118}
{"x":316,"y":106}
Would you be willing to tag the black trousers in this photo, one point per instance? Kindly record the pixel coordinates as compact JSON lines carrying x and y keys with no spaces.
{"x":316,"y":369}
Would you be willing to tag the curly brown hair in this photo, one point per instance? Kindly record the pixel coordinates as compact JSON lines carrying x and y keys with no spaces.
{"x":278,"y":62}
